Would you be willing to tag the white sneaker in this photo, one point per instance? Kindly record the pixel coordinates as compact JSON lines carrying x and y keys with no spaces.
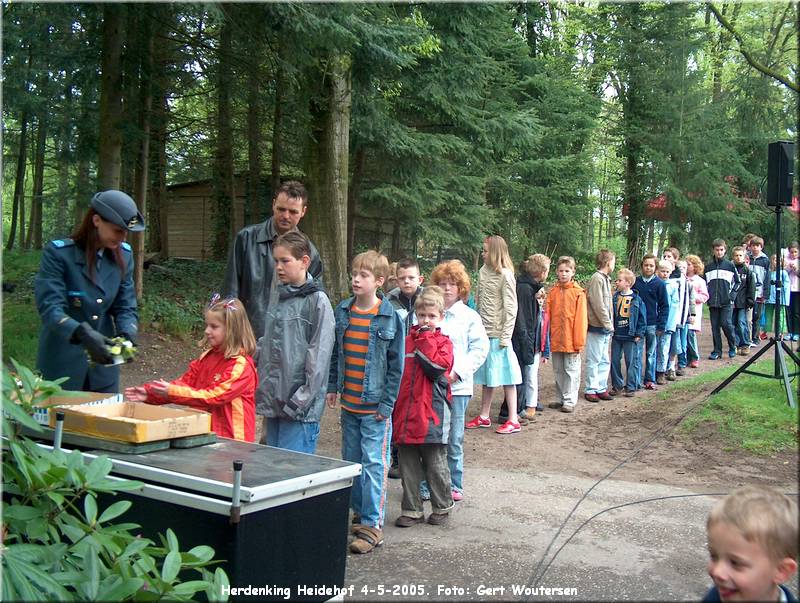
{"x":753,"y":345}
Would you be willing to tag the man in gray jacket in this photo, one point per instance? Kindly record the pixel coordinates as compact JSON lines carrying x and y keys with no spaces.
{"x":251,"y":266}
{"x":601,"y":327}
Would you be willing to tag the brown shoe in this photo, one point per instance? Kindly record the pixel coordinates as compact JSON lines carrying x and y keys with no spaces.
{"x":366,"y":539}
{"x":438,"y":519}
{"x":670,"y":376}
{"x":661,"y":379}
{"x":744,"y":351}
{"x":629,"y":393}
{"x":605,"y":396}
{"x":406,"y":521}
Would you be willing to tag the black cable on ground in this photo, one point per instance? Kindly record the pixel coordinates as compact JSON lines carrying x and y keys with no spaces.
{"x":537,"y":577}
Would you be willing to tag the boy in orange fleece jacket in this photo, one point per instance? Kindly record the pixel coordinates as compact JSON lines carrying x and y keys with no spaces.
{"x":566,"y":304}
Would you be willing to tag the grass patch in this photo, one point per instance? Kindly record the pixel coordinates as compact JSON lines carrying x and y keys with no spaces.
{"x":20,"y":318}
{"x":173,"y":301}
{"x":751,"y":413}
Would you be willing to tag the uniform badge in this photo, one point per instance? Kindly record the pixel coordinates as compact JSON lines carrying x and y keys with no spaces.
{"x":133,"y":221}
{"x":58,"y":243}
{"x":76,"y":301}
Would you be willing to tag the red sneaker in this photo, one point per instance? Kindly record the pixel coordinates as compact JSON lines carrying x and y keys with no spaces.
{"x":762,"y":336}
{"x":649,"y":385}
{"x":508,"y":427}
{"x":694,"y":364}
{"x":479,"y":421}
{"x":605,"y":395}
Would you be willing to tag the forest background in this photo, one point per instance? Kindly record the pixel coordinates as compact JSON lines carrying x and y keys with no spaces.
{"x":553,"y":124}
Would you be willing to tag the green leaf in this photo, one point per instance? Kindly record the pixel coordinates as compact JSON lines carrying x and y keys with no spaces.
{"x":21,"y":512}
{"x":120,"y":589}
{"x":200,"y":553}
{"x":92,"y":565}
{"x":115,"y":510}
{"x":56,"y":497}
{"x":171,"y":567}
{"x":172,"y":540}
{"x":90,"y":508}
{"x":190,"y":587}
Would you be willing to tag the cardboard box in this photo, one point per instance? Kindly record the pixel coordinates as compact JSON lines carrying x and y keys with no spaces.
{"x":70,"y":398}
{"x":133,"y":421}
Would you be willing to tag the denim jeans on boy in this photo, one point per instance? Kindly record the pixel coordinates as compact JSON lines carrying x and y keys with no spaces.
{"x":597,"y":362}
{"x":292,"y":435}
{"x":530,"y":382}
{"x":455,"y":447}
{"x":683,"y":342}
{"x":367,"y":441}
{"x":648,"y":345}
{"x":663,"y":348}
{"x":692,"y":351}
{"x":721,"y":319}
{"x":633,"y":359}
{"x":741,"y":327}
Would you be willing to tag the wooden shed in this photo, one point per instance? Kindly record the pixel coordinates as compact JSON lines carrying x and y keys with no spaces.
{"x":190,"y":217}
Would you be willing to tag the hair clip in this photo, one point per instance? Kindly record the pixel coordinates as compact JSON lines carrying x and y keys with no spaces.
{"x":230,"y":304}
{"x":214,"y":299}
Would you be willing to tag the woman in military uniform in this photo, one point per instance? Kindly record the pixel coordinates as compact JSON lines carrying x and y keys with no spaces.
{"x":85,"y":295}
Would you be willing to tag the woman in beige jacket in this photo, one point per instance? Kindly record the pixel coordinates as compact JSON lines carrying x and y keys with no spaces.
{"x":497,"y":305}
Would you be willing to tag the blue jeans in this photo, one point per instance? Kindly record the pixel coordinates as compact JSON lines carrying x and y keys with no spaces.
{"x":741,"y":327}
{"x":664,"y":346}
{"x":455,"y":445}
{"x":648,"y":344}
{"x":630,"y":349}
{"x":367,"y":441}
{"x":292,"y":435}
{"x":597,"y":362}
{"x":692,"y":351}
{"x":683,"y":344}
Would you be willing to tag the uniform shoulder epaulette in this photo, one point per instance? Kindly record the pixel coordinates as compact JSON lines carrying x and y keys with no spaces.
{"x":59,"y":243}
{"x":126,"y":246}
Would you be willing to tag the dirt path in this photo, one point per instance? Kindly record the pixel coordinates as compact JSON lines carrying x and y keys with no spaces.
{"x":587,"y":443}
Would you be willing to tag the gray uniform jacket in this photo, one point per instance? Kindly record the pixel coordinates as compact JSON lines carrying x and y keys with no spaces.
{"x":251,"y":269}
{"x":66,"y":296}
{"x":294,"y":354}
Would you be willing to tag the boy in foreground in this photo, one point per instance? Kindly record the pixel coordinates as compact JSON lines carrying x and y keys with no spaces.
{"x":421,"y":418}
{"x":366,"y":368}
{"x":752,"y":545}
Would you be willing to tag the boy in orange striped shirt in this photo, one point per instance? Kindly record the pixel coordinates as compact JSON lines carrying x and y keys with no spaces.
{"x":366,"y":367}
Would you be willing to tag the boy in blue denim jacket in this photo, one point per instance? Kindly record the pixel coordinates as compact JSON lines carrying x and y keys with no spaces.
{"x":366,"y":368}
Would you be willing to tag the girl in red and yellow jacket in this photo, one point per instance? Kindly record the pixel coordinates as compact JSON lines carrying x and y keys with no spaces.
{"x":222,"y":381}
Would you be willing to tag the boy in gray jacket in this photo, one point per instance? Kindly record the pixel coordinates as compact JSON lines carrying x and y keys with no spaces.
{"x":295,"y":352}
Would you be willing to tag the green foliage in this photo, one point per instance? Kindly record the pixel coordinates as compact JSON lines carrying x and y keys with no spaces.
{"x":174,"y":299}
{"x":20,"y":318}
{"x":751,"y":413}
{"x":59,"y":545}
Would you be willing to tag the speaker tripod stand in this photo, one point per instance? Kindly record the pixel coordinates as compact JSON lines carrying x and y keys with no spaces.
{"x":776,"y":342}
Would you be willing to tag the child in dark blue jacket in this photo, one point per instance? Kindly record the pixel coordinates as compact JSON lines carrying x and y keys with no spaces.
{"x":653,"y":293}
{"x":630,"y":323}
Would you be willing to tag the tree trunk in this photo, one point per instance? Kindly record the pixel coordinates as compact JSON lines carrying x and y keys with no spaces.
{"x":327,"y":170}
{"x":19,"y":185}
{"x":110,"y":141}
{"x":131,"y":79}
{"x":277,"y":119}
{"x":223,"y":161}
{"x":157,"y":239}
{"x":254,"y":141}
{"x":352,"y":200}
{"x":142,"y":165}
{"x":35,"y":227}
{"x":395,"y":240}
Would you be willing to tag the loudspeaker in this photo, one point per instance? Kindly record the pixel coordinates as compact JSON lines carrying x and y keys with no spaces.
{"x":780,"y":173}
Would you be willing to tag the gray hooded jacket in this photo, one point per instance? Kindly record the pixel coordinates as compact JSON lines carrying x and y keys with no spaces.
{"x":294,"y":354}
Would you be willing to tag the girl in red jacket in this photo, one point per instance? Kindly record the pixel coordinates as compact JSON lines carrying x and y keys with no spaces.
{"x":222,"y":381}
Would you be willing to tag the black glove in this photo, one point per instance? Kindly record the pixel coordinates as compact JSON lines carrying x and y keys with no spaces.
{"x":130,"y":338}
{"x":95,"y":343}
